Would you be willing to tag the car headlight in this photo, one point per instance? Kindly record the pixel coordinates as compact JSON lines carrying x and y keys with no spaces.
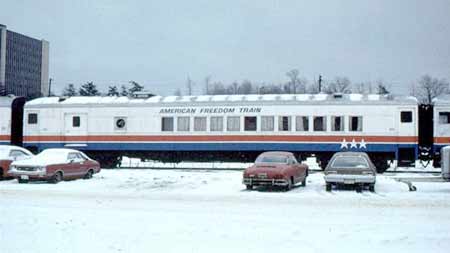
{"x":12,"y":168}
{"x":368,"y":173}
{"x":330,"y":172}
{"x":41,"y":169}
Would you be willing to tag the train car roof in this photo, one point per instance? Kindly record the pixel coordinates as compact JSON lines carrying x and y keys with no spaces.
{"x":442,"y":100}
{"x":229,"y":99}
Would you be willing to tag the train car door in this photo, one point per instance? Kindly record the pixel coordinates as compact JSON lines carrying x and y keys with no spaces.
{"x":75,"y":128}
{"x":407,"y":127}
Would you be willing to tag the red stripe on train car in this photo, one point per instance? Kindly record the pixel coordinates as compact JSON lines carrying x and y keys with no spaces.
{"x":218,"y":138}
{"x":5,"y":137}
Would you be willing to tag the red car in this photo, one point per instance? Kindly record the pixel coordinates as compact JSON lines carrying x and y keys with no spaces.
{"x":54,"y":165}
{"x":8,"y":154}
{"x":275,"y":169}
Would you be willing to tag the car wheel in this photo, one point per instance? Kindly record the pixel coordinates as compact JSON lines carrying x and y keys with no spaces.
{"x":249,"y":187}
{"x":372,"y":187}
{"x":22,"y":181}
{"x":304,"y":182}
{"x":358,"y":188}
{"x":89,"y":174}
{"x":288,"y":186}
{"x":328,"y":187}
{"x":57,"y":178}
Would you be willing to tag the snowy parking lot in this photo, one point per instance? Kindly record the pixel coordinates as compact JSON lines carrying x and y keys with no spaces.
{"x":210,"y":211}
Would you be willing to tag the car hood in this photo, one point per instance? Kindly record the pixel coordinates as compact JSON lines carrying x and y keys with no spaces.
{"x":38,"y":161}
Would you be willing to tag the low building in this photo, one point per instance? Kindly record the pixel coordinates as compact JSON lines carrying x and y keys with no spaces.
{"x":24,"y":65}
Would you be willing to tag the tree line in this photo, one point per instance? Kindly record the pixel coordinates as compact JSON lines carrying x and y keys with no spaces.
{"x":425,"y":88}
{"x":90,"y":89}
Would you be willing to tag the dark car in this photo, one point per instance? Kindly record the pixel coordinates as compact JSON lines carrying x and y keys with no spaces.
{"x":350,"y":168}
{"x":275,"y":169}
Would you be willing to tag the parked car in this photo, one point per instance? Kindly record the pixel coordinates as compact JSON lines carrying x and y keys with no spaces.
{"x":275,"y":169}
{"x":54,"y":165}
{"x":353,"y":168}
{"x":8,"y":154}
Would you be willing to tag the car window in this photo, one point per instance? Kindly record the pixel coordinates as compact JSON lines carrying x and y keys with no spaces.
{"x":72,"y":156}
{"x":80,"y":157}
{"x":350,"y":162}
{"x":272,"y":159}
{"x":17,"y":153}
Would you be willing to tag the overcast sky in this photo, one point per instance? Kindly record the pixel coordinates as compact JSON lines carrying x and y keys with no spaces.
{"x":160,"y":43}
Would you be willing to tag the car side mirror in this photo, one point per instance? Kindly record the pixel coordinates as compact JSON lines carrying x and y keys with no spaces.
{"x":71,"y":161}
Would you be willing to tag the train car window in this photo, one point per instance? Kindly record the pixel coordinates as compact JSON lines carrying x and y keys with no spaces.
{"x":120,"y":123}
{"x":76,"y":121}
{"x":284,"y":123}
{"x":32,"y":118}
{"x":199,"y":123}
{"x":444,"y":117}
{"x":267,"y":123}
{"x":233,"y":123}
{"x":337,"y":123}
{"x":320,"y":123}
{"x":167,"y":124}
{"x":250,"y":123}
{"x":302,"y":123}
{"x":406,"y":117}
{"x":356,"y":123}
{"x":183,"y":124}
{"x":216,"y":124}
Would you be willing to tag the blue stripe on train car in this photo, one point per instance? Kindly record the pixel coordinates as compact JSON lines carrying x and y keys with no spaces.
{"x":187,"y":146}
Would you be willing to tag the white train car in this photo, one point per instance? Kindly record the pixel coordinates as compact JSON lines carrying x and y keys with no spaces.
{"x":441,"y":130}
{"x":11,"y":113}
{"x":228,"y":127}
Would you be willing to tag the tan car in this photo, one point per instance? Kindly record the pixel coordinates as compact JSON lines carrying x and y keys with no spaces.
{"x":350,"y":168}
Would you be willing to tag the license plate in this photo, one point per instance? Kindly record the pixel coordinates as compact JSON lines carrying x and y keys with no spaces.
{"x":24,"y":177}
{"x":262,"y":175}
{"x":349,"y":181}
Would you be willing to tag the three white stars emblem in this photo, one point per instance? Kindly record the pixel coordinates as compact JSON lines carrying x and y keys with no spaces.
{"x":353,"y":144}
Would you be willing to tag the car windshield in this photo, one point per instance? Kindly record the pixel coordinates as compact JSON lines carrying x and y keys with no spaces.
{"x":272,"y":159}
{"x":350,"y":162}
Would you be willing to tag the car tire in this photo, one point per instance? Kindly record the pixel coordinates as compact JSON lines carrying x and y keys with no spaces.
{"x":372,"y":187}
{"x":22,"y":181}
{"x":249,"y":187}
{"x":88,"y":174}
{"x":288,"y":186}
{"x":58,"y":177}
{"x":328,"y":187}
{"x":358,"y":188}
{"x":304,"y":182}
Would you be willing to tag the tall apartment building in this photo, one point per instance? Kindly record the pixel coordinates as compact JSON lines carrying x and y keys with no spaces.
{"x":23,"y":65}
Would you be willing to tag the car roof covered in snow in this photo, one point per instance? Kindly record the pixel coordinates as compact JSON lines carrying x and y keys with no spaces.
{"x":225,"y":99}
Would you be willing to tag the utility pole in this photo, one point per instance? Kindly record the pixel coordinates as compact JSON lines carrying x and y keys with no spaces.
{"x":320,"y":83}
{"x":50,"y":87}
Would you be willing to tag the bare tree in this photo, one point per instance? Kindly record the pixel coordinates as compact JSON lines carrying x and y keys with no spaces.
{"x":246,"y":87}
{"x":296,"y":84}
{"x":429,"y":88}
{"x":339,"y":85}
{"x":177,"y":92}
{"x":189,"y":86}
{"x":207,"y":84}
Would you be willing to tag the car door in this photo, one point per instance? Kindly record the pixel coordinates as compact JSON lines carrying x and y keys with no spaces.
{"x":72,"y":168}
{"x":83,"y":165}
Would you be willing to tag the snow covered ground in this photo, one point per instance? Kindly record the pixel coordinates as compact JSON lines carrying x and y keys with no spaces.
{"x":210,"y":211}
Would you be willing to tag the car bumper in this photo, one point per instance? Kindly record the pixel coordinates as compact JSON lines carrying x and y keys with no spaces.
{"x":265,"y":181}
{"x":350,"y":179}
{"x":29,"y":175}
